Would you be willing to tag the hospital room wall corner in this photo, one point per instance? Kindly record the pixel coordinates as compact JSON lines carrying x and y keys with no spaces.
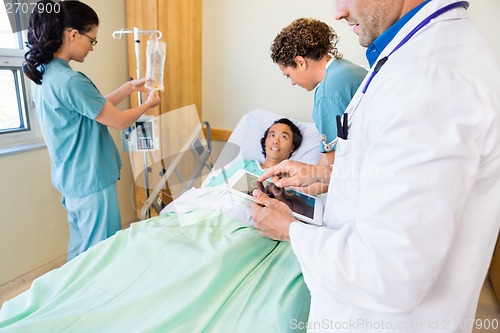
{"x":33,"y":226}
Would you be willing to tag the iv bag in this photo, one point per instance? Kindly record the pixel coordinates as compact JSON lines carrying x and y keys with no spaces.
{"x":155,"y":63}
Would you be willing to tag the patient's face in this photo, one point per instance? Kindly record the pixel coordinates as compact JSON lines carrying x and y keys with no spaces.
{"x":279,"y":143}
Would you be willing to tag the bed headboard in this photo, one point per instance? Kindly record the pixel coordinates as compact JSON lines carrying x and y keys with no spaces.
{"x":244,"y":142}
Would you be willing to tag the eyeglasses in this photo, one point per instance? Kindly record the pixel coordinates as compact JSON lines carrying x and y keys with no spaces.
{"x":93,"y":41}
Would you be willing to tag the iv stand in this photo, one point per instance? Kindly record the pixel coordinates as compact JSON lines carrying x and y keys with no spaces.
{"x":137,"y":47}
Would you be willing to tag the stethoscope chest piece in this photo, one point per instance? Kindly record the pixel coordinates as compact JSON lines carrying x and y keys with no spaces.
{"x":327,"y":146}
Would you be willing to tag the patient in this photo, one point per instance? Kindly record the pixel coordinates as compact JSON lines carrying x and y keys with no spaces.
{"x":279,"y":142}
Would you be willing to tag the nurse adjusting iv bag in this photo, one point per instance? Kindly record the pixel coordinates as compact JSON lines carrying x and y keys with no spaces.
{"x":155,"y":62}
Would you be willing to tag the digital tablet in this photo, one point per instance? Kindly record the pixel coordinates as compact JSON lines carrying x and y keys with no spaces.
{"x":306,"y":208}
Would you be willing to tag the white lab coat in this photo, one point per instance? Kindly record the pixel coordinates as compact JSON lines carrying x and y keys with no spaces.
{"x":412,"y":214}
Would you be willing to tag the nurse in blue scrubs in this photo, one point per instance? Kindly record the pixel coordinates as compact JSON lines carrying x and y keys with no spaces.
{"x":74,"y":117}
{"x":306,"y":53}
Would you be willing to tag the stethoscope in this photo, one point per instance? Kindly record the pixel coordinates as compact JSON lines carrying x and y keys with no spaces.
{"x":329,"y":146}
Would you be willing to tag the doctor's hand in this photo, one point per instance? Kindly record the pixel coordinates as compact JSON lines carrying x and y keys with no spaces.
{"x":272,"y":217}
{"x":297,"y":174}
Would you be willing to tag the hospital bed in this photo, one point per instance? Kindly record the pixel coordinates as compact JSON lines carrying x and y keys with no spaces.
{"x":192,"y":269}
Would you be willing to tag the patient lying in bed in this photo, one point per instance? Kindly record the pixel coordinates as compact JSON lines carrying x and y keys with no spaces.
{"x":278,"y":143}
{"x":198,"y":270}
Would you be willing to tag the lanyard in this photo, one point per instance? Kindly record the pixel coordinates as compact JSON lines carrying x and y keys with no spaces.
{"x":345,"y":123}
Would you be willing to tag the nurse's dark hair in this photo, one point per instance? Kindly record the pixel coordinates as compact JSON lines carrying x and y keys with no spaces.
{"x":296,"y":133}
{"x":305,"y":37}
{"x":45,"y":31}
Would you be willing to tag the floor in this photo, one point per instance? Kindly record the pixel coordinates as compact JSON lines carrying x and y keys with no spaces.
{"x":488,"y":308}
{"x":487,"y":311}
{"x":17,"y":286}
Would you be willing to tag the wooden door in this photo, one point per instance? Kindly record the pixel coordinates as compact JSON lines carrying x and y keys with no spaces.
{"x":495,"y":270}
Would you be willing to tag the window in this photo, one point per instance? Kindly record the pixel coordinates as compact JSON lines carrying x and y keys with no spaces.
{"x":18,"y":125}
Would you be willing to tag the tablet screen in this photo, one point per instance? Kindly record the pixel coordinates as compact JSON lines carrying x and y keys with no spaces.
{"x":299,"y":203}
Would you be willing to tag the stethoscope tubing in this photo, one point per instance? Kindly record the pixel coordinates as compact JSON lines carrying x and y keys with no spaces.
{"x":380,"y":63}
{"x":421,"y":25}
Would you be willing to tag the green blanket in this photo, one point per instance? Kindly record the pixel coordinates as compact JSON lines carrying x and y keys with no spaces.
{"x":199,"y":272}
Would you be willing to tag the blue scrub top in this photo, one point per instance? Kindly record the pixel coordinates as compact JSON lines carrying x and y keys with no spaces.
{"x":333,"y":95}
{"x":84,"y":156}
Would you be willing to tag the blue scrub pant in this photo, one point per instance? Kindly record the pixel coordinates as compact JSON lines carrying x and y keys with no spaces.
{"x":91,"y":219}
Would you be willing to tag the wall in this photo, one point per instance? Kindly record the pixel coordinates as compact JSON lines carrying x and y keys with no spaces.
{"x":238,"y":73}
{"x":33,"y":227}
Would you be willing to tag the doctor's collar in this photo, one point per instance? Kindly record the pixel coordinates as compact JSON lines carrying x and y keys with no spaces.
{"x":373,"y":51}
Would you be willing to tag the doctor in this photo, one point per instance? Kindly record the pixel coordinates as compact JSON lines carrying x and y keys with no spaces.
{"x":412,"y":213}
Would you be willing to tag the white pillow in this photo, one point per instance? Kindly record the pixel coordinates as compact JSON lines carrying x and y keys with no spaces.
{"x":244,"y":142}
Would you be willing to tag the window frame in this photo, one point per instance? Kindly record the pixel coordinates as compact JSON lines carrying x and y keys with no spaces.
{"x":30,"y":137}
